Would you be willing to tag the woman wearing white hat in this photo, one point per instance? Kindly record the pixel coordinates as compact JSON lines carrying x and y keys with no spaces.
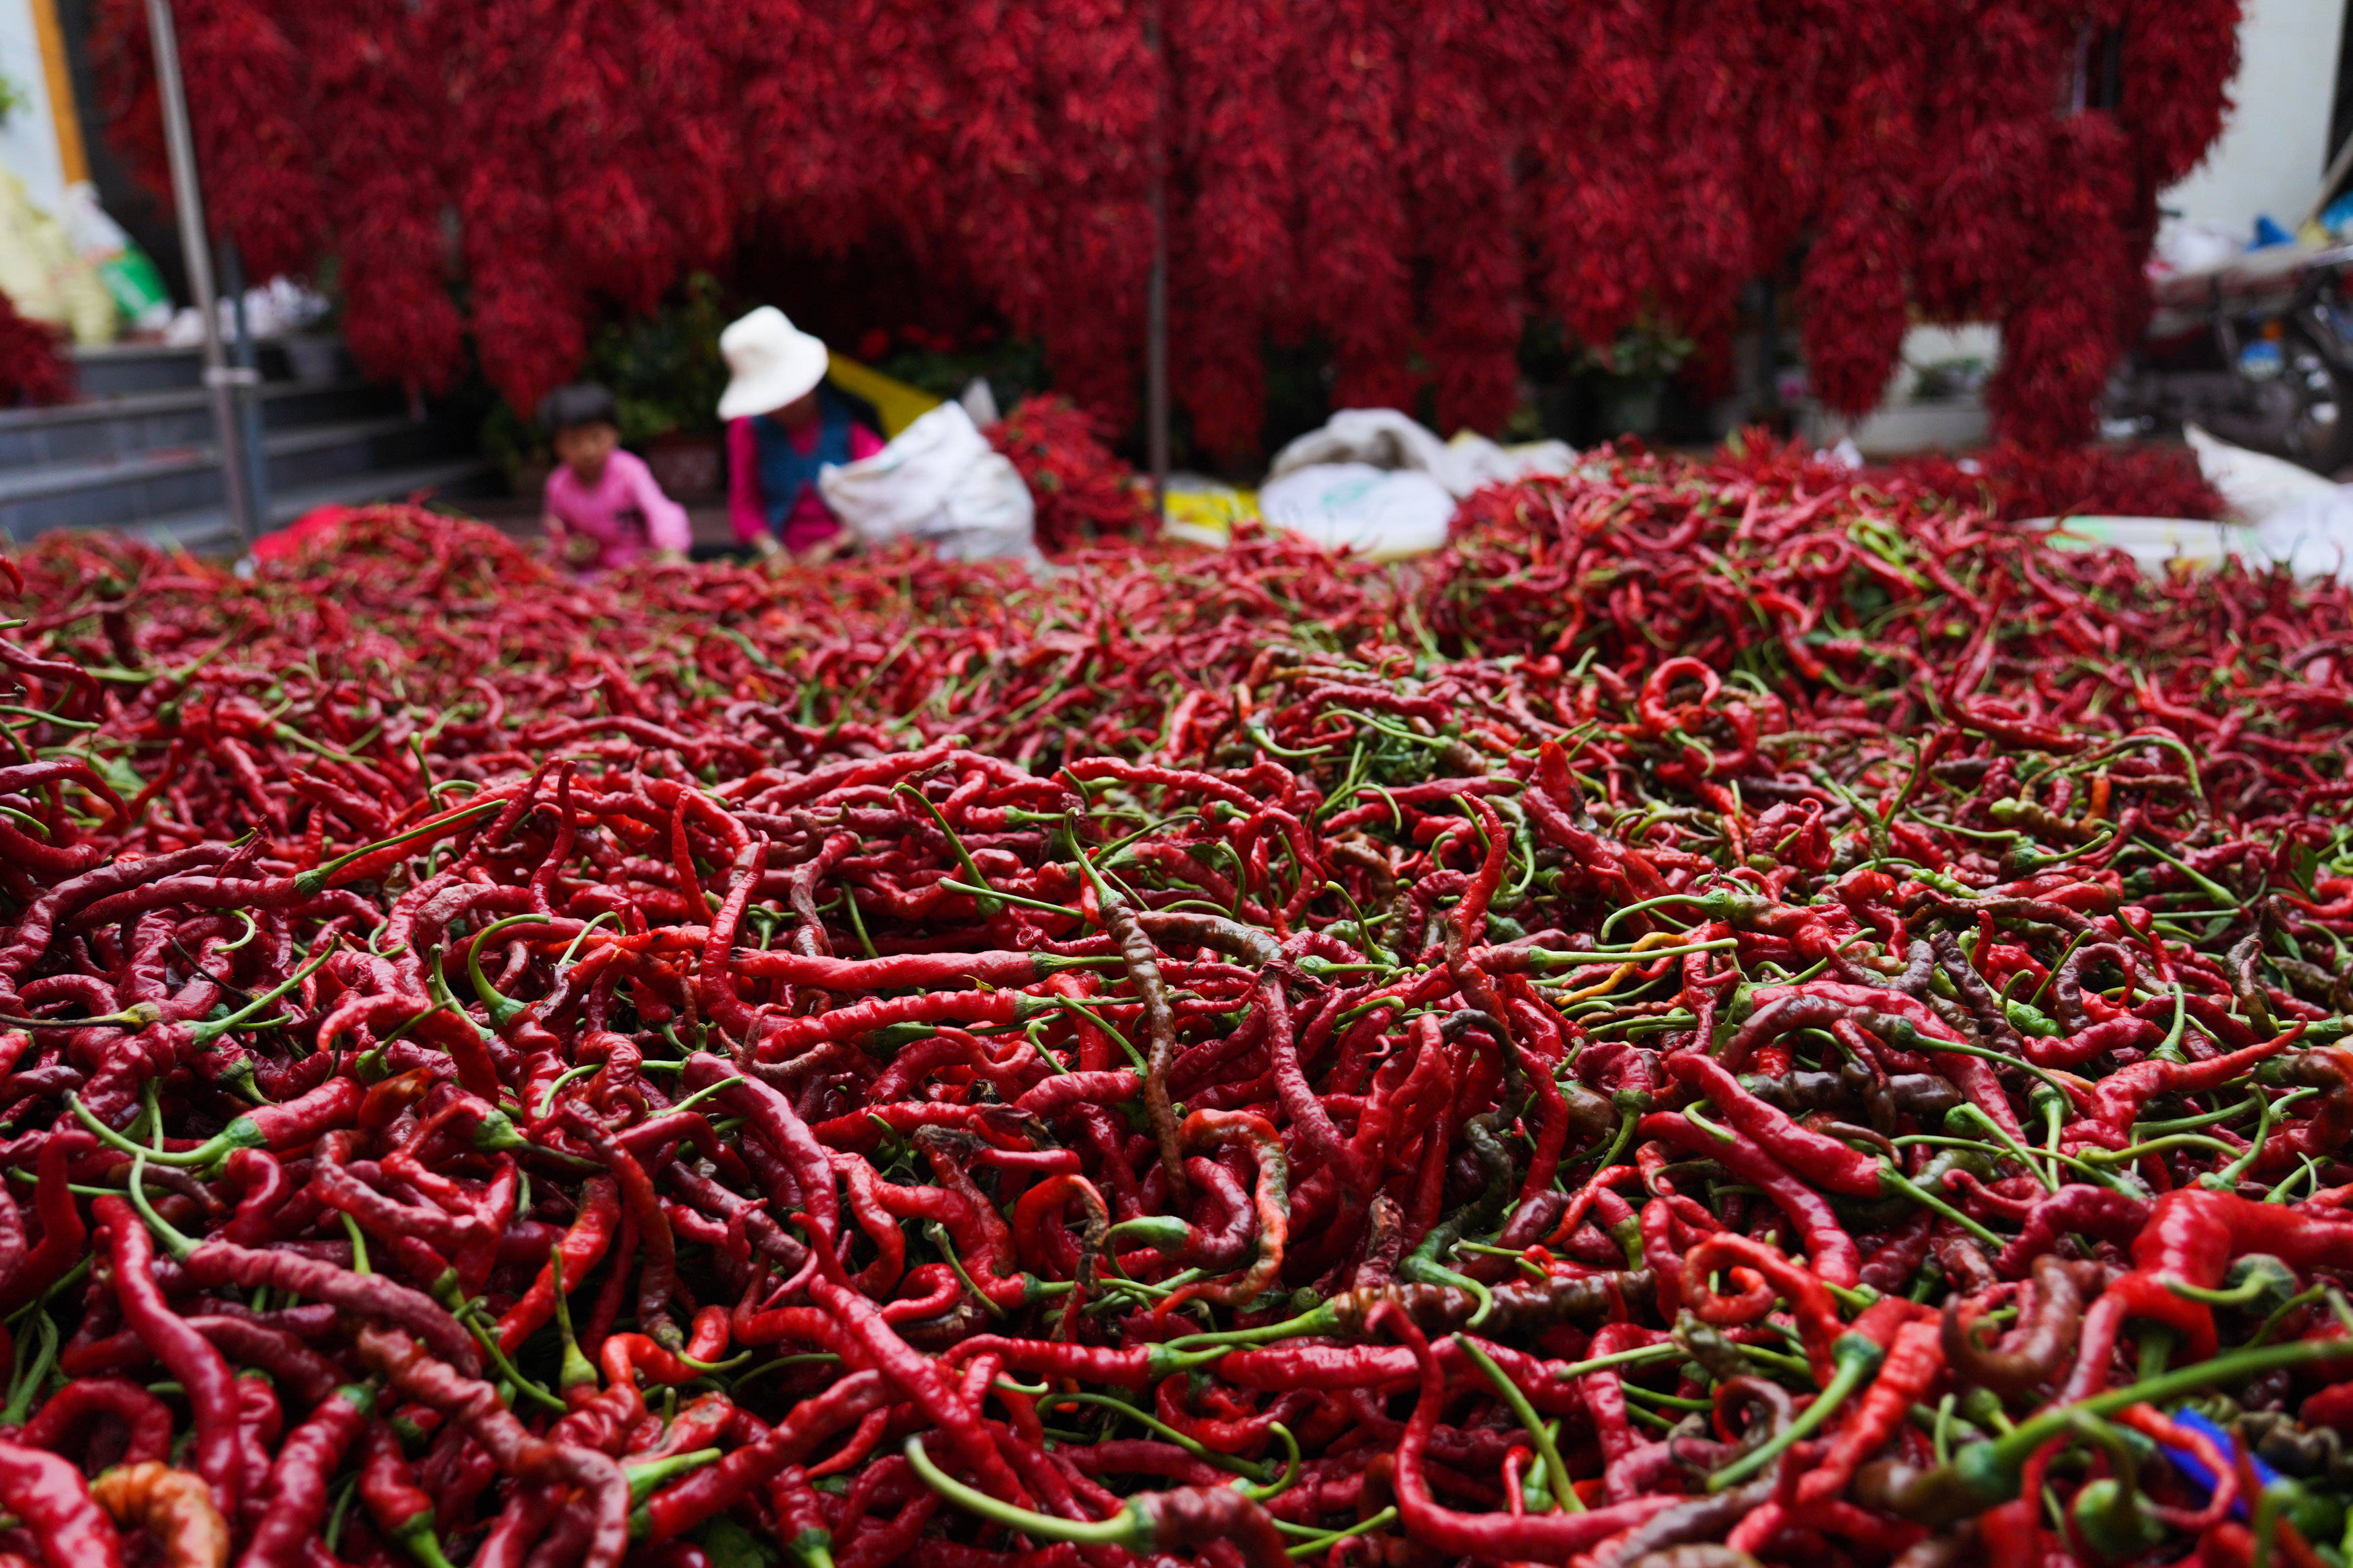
{"x":784,"y":426}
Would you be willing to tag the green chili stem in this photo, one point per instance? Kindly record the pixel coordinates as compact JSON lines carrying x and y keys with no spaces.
{"x":1626,"y":1358}
{"x":2018,"y":1150}
{"x":2212,"y":889}
{"x":988,"y":898}
{"x":983,"y":891}
{"x":1124,"y":1529}
{"x":28,"y":1380}
{"x":1325,"y":1539}
{"x":547,"y":1100}
{"x":1852,"y":1372}
{"x":1636,"y":909}
{"x":1073,"y":1005}
{"x":318,"y":875}
{"x":2265,"y":1115}
{"x":503,"y":1010}
{"x":1919,"y":1195}
{"x":490,"y":1344}
{"x":2160,"y":1145}
{"x":2012,"y":1450}
{"x":1144,"y":1418}
{"x":1530,"y":1421}
{"x":938,"y":1235}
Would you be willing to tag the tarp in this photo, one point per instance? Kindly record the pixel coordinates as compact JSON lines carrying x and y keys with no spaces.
{"x":896,"y":404}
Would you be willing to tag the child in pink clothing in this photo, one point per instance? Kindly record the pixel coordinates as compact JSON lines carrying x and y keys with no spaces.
{"x":603,"y":511}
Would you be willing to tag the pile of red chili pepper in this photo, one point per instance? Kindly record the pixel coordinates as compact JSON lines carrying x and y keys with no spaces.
{"x":32,"y":363}
{"x":1083,"y":492}
{"x":1409,"y":186}
{"x":2022,"y":483}
{"x":1738,"y":1015}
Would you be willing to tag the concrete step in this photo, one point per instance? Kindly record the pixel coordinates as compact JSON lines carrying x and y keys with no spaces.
{"x":312,"y":455}
{"x":164,"y":481}
{"x":120,"y":368}
{"x":139,"y":453}
{"x":206,"y":530}
{"x":129,"y":423}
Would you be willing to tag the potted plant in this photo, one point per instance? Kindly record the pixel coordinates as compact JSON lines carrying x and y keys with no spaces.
{"x":1638,"y":366}
{"x":666,"y":376}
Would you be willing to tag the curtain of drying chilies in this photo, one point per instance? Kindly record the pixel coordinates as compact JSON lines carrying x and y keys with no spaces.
{"x":1407,"y":181}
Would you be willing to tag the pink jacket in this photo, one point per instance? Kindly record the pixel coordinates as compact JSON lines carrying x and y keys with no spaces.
{"x":626,"y":511}
{"x":811,"y":523}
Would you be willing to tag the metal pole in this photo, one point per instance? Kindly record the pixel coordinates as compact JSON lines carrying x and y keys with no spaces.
{"x":172,"y":95}
{"x":2336,"y":167}
{"x":1155,"y":305}
{"x":248,"y":362}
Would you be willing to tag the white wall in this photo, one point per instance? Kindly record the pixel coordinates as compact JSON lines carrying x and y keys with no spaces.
{"x":2274,"y":145}
{"x":28,"y":141}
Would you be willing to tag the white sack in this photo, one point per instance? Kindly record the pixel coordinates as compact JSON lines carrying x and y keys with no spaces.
{"x":2254,"y":485}
{"x":2313,"y":536}
{"x":940,"y":481}
{"x":1355,"y":506}
{"x":1385,"y":438}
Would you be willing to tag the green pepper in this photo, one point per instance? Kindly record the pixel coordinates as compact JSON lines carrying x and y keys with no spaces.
{"x":1853,"y":1359}
{"x":2109,"y":1510}
{"x":1986,"y":1474}
{"x":2112,"y":1520}
{"x":2257,"y":1283}
{"x":2029,"y":1019}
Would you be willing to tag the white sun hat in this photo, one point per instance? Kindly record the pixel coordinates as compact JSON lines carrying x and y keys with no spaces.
{"x":770,"y":363}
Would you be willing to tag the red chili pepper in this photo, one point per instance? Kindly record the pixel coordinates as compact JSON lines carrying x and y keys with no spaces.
{"x":61,"y":1225}
{"x":687,"y":1504}
{"x":1828,"y":1246}
{"x":2117,"y":1098}
{"x":781,"y":1127}
{"x":1374,"y":989}
{"x":1525,"y":1536}
{"x":221,"y":1263}
{"x":657,"y":1277}
{"x":1824,"y":1161}
{"x":49,"y":1495}
{"x":411,"y":1370}
{"x":2190,"y":1239}
{"x":220,"y":1455}
{"x":145,"y":1420}
{"x":296,"y":1490}
{"x":1914,"y":1360}
{"x":401,"y":1508}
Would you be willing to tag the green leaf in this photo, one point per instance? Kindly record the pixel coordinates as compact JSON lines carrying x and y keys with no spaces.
{"x":730,"y":1545}
{"x":120,"y":775}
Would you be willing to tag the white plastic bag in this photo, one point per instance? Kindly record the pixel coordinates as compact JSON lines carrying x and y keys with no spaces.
{"x":129,"y":274}
{"x":2280,"y":513}
{"x":273,"y":310}
{"x":1377,"y":512}
{"x":939,"y":481}
{"x":2313,"y":536}
{"x":2185,"y":247}
{"x":42,"y":274}
{"x":900,"y":491}
{"x":2299,"y":518}
{"x":2254,"y":484}
{"x":1483,"y":462}
{"x":1385,"y":438}
{"x":2158,"y":545}
{"x":988,"y":514}
{"x":1382,"y":437}
{"x":979,"y":400}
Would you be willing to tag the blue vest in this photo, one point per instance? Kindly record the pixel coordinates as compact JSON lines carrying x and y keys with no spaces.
{"x":786,"y":470}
